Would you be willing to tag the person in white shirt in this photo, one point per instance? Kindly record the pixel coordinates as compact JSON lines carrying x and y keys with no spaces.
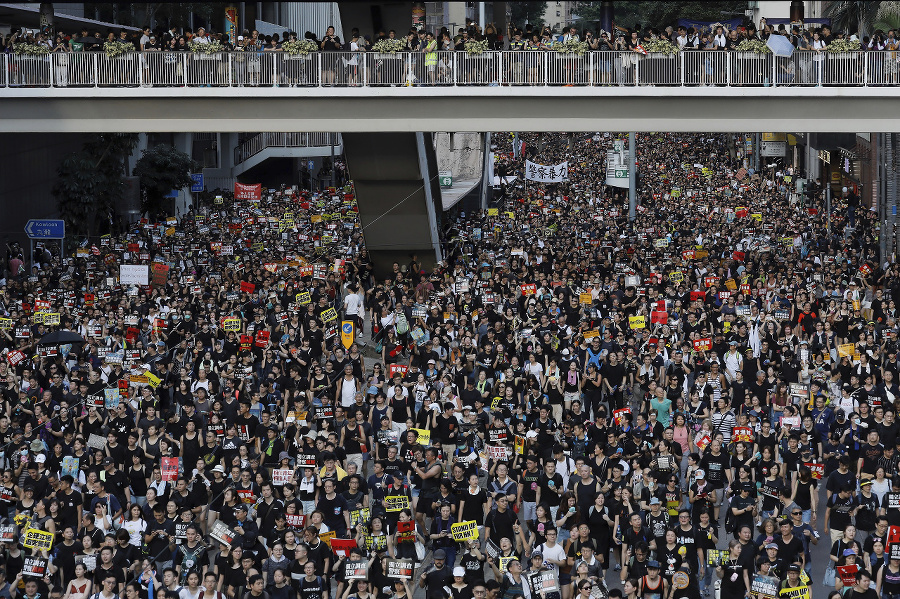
{"x":553,"y":553}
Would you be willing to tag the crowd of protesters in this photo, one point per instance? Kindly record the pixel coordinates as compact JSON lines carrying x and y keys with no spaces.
{"x":714,"y":37}
{"x":569,"y":404}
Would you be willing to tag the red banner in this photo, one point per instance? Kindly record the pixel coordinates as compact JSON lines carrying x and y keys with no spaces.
{"x":248,"y":192}
{"x":703,"y":344}
{"x":247,"y":287}
{"x":169,"y":468}
{"x":697,"y":295}
{"x":246,"y":341}
{"x":660,"y":317}
{"x":262,"y":338}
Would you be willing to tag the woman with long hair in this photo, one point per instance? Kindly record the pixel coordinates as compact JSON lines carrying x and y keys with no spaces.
{"x":135,"y":525}
{"x":80,"y":586}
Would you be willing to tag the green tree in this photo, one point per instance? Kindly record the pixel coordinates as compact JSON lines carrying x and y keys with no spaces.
{"x":659,"y":14}
{"x":162,"y":169}
{"x":89,"y":182}
{"x":527,"y":13}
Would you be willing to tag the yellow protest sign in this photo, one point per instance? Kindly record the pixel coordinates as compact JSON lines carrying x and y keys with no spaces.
{"x":38,"y":317}
{"x":676,"y":276}
{"x":424,"y":436}
{"x":6,"y":324}
{"x":756,"y":216}
{"x":51,"y":318}
{"x":464,"y":531}
{"x":38,"y":539}
{"x":510,"y":214}
{"x":327,"y":537}
{"x":315,"y":218}
{"x":591,"y":334}
{"x":585,"y":299}
{"x":493,"y":211}
{"x":637,"y":322}
{"x":231,"y":325}
{"x":329,"y":315}
{"x":303,"y":298}
{"x":395,"y":503}
{"x":520,"y":445}
{"x":152,"y":379}
{"x":731,"y":284}
{"x":504,"y":562}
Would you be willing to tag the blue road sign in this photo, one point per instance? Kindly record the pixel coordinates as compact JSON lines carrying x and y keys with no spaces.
{"x":310,"y":165}
{"x":197,"y":184}
{"x":45,"y":229}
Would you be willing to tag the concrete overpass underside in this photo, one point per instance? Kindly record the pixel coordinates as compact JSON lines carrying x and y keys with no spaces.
{"x":397,"y":194}
{"x":822,"y":109}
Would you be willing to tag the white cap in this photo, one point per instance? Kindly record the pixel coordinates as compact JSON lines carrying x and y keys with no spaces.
{"x":240,"y":38}
{"x":459,"y":571}
{"x":40,"y":458}
{"x":845,"y":190}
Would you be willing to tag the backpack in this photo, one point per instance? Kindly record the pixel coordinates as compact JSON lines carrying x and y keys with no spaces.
{"x":402,"y":323}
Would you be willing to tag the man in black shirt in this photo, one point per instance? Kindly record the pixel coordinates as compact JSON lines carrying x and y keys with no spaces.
{"x":160,"y":538}
{"x":500,"y":522}
{"x":69,"y":502}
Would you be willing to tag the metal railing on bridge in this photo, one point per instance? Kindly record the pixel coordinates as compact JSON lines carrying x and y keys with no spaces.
{"x":261,"y":141}
{"x":508,"y":68}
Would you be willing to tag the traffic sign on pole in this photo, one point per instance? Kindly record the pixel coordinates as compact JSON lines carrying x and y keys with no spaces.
{"x":45,"y":229}
{"x":197,"y":182}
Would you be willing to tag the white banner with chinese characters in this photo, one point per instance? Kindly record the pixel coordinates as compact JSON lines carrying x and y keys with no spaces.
{"x":546,"y":174}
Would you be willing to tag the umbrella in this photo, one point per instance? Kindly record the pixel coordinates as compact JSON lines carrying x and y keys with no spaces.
{"x":60,"y":338}
{"x":780,"y":45}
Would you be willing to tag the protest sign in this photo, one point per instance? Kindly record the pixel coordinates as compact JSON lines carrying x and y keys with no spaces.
{"x":702,"y":344}
{"x":38,"y":539}
{"x":221,"y":533}
{"x":637,"y":322}
{"x":356,"y":570}
{"x":328,"y":537}
{"x":88,"y":561}
{"x":35,"y":567}
{"x":97,"y":441}
{"x":281,"y":477}
{"x":423,"y":437}
{"x":360,"y":516}
{"x":395,"y":503}
{"x":464,"y":531}
{"x":342,"y":547}
{"x":134,"y":274}
{"x":70,"y":466}
{"x":169,"y":469}
{"x":8,"y":533}
{"x":295,"y":520}
{"x":765,"y":587}
{"x":555,"y":173}
{"x":252,"y":193}
{"x":399,"y":568}
{"x":544,"y":581}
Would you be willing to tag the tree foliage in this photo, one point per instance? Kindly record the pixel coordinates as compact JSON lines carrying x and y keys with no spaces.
{"x":89,"y":182}
{"x":162,"y":169}
{"x":527,"y":13}
{"x":659,"y":14}
{"x":855,"y":16}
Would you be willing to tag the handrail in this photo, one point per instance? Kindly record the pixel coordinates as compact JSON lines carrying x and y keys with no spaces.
{"x":261,"y":141}
{"x":691,"y":68}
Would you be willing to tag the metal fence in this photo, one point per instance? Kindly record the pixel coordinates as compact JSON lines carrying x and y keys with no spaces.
{"x":261,"y":141}
{"x":515,"y":68}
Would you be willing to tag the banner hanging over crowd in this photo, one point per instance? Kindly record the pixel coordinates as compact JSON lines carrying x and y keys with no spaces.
{"x":554,"y":173}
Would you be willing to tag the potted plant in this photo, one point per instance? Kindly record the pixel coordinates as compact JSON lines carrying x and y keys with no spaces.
{"x":843,"y":61}
{"x":388,"y":48}
{"x":116,"y":48}
{"x":31,"y":50}
{"x":476,"y":47}
{"x":301,"y":49}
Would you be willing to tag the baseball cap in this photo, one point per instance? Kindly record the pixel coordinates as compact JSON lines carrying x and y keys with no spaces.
{"x":699,"y":474}
{"x":373,"y":390}
{"x":771,"y":546}
{"x":107,"y":461}
{"x":459,"y":571}
{"x":849,"y":552}
{"x":793,"y":568}
{"x":655,"y":501}
{"x":653,"y":564}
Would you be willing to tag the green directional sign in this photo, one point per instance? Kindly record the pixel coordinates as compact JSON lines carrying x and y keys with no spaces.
{"x":623,"y":174}
{"x":445,"y":179}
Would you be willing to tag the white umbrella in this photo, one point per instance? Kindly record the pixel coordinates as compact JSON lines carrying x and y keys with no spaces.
{"x":780,"y":45}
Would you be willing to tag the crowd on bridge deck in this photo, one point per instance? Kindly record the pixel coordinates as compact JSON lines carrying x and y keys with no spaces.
{"x":570,"y":403}
{"x":715,"y":36}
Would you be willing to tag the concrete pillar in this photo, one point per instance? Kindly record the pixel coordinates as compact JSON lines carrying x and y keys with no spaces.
{"x":184,"y":142}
